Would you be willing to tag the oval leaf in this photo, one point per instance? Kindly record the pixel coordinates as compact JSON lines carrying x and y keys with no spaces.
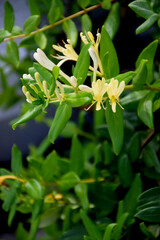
{"x":31,"y":23}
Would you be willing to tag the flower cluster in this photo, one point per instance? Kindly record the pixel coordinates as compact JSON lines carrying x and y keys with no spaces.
{"x":100,"y":89}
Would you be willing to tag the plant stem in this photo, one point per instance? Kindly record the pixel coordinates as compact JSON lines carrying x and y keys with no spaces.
{"x":54,"y":24}
{"x":147,"y":87}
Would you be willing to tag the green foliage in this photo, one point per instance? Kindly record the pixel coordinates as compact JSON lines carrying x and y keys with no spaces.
{"x":8,"y":17}
{"x":70,"y":29}
{"x":31,"y":23}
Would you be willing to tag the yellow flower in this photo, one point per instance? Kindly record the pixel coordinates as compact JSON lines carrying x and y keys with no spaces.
{"x":68,"y":52}
{"x":114,"y":91}
{"x":98,"y":89}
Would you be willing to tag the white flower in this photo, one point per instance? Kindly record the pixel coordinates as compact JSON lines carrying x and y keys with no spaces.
{"x":114,"y":91}
{"x":43,"y":60}
{"x":27,"y":76}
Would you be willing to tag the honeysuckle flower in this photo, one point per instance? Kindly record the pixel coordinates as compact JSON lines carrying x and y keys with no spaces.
{"x":29,"y":97}
{"x":43,"y":60}
{"x":68,"y":52}
{"x":95,"y":62}
{"x":27,"y":76}
{"x":98,"y":90}
{"x":114,"y":91}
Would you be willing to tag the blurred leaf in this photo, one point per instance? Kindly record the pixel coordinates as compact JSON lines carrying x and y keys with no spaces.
{"x":125,"y":171}
{"x":108,"y":231}
{"x":76,"y":156}
{"x":147,"y":24}
{"x":126,"y":77}
{"x":115,"y":127}
{"x":117,"y":231}
{"x":81,"y":190}
{"x":49,"y":217}
{"x":78,"y":99}
{"x":130,"y":200}
{"x":8,"y":16}
{"x":3,"y":80}
{"x":146,"y":231}
{"x":140,"y":75}
{"x":142,"y":8}
{"x":148,"y":53}
{"x":70,"y":29}
{"x":11,"y":196}
{"x":3,"y":34}
{"x":21,"y":233}
{"x":86,"y":23}
{"x":107,"y":48}
{"x":12,"y":213}
{"x":13,"y":53}
{"x":112,"y":22}
{"x":82,"y":65}
{"x":27,"y":42}
{"x":62,"y":116}
{"x":108,"y":153}
{"x":41,"y":40}
{"x":16,"y":30}
{"x":16,"y":163}
{"x":56,"y":11}
{"x":84,"y":3}
{"x":134,"y":97}
{"x":30,"y":114}
{"x":69,"y":180}
{"x":31,"y":23}
{"x":34,"y":189}
{"x":150,"y":158}
{"x":34,"y":7}
{"x":145,"y":111}
{"x":106,"y":4}
{"x":91,"y":228}
{"x":133,"y":148}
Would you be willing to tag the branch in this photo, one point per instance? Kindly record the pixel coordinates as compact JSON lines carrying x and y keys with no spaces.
{"x":54,"y":24}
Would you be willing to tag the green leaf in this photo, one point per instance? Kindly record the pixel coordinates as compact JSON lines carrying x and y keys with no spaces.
{"x":148,"y":53}
{"x":126,"y":77}
{"x":12,"y":53}
{"x":4,"y":34}
{"x":27,"y":42}
{"x":142,"y":8}
{"x":130,"y":200}
{"x":8,"y":16}
{"x":12,"y":213}
{"x":16,"y":30}
{"x":115,"y":127}
{"x":106,"y":4}
{"x":109,"y":231}
{"x":62,"y":116}
{"x":44,"y":74}
{"x":41,"y":40}
{"x":151,"y":214}
{"x":34,"y":7}
{"x":68,"y":181}
{"x":34,"y":189}
{"x":82,"y":65}
{"x":133,"y":148}
{"x":78,"y":99}
{"x":86,"y":23}
{"x":112,"y":22}
{"x":11,"y":196}
{"x":108,"y":153}
{"x":150,"y":158}
{"x":84,"y":3}
{"x":146,"y":231}
{"x":16,"y":163}
{"x":145,"y":112}
{"x":133,"y":97}
{"x":91,"y":228}
{"x":140,"y":75}
{"x":119,"y":227}
{"x":76,"y":156}
{"x":81,"y":190}
{"x":125,"y":171}
{"x":147,"y":24}
{"x":107,"y":47}
{"x":21,"y":233}
{"x":70,"y":29}
{"x":31,"y":23}
{"x":150,"y":195}
{"x":30,"y":114}
{"x":56,"y":11}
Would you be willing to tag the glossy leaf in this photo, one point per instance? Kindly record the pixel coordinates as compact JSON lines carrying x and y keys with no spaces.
{"x":147,"y":24}
{"x":149,"y":195}
{"x":151,"y":214}
{"x":112,"y":22}
{"x":106,"y":4}
{"x":82,"y":65}
{"x":31,"y":23}
{"x":62,"y":116}
{"x":13,"y":53}
{"x":133,"y":97}
{"x":107,"y":47}
{"x":78,"y":99}
{"x":108,"y":231}
{"x":119,"y":227}
{"x":16,"y":163}
{"x":91,"y":228}
{"x":126,"y":77}
{"x":30,"y":114}
{"x":41,"y":40}
{"x":142,"y":8}
{"x":150,"y":158}
{"x":70,"y":29}
{"x":140,"y":75}
{"x":148,"y":53}
{"x":115,"y":127}
{"x":145,"y":112}
{"x":8,"y":16}
{"x":34,"y":189}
